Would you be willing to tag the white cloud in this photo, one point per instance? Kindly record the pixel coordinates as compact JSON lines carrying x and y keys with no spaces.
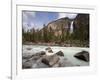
{"x":27,"y":20}
{"x":28,"y":15}
{"x":69,"y":15}
{"x":28,"y":26}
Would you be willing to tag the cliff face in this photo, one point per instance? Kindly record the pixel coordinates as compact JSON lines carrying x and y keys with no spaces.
{"x":59,"y":25}
{"x":81,"y":26}
{"x":82,"y":20}
{"x":61,"y":28}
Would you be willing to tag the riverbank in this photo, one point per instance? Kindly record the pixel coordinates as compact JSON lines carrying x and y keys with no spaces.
{"x":61,"y":44}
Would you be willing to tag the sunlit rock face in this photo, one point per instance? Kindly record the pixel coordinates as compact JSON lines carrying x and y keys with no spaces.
{"x":59,"y":25}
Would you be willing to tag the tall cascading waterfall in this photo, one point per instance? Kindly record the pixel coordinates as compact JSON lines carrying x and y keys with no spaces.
{"x":71,"y":27}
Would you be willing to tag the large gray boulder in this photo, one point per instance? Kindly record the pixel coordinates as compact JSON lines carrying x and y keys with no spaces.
{"x":27,"y":64}
{"x":49,"y":50}
{"x":50,"y":60}
{"x":83,"y":55}
{"x":38,"y":55}
{"x":33,"y":55}
{"x":28,"y":60}
{"x":39,"y":64}
{"x":28,"y":48}
{"x":41,"y":53}
{"x":60,"y":53}
{"x":27,"y":55}
{"x":64,"y":62}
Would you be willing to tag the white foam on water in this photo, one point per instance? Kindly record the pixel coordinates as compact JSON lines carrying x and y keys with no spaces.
{"x":69,"y":52}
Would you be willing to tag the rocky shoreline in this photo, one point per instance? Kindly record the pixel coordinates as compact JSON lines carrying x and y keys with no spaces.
{"x":77,"y":44}
{"x":49,"y":59}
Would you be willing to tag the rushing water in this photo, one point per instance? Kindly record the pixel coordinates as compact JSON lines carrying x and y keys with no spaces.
{"x":68,"y":52}
{"x":71,"y":27}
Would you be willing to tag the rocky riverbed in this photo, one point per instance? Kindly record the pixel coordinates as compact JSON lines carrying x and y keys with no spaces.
{"x":36,"y":56}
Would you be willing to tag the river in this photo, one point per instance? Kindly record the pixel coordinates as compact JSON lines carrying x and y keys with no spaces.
{"x":69,"y":52}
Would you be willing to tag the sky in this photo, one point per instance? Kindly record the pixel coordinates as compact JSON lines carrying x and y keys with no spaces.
{"x":34,"y":19}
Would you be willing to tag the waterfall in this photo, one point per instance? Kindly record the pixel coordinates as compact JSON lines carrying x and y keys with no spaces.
{"x":71,"y":27}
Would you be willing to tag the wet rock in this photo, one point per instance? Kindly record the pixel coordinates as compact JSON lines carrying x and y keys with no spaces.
{"x":60,"y":53}
{"x":64,"y":62}
{"x":56,"y":65}
{"x":27,"y":64}
{"x":39,"y":64}
{"x":33,"y":55}
{"x":37,"y":55}
{"x":26,"y":55}
{"x":50,"y":51}
{"x":84,"y":55}
{"x":48,"y":48}
{"x":28,"y":60}
{"x":28,"y":48}
{"x":50,"y":60}
{"x":45,"y":61}
{"x":24,"y":60}
{"x":42,"y":53}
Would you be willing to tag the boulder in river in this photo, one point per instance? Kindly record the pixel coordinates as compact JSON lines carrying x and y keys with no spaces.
{"x":35,"y":55}
{"x":60,"y":53}
{"x":27,"y":55}
{"x":41,"y":53}
{"x":27,"y":64}
{"x":28,"y":48}
{"x":48,"y":48}
{"x":50,"y":51}
{"x":83,"y":55}
{"x":50,"y":60}
{"x":64,"y":62}
{"x":38,"y":55}
{"x":39,"y":64}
